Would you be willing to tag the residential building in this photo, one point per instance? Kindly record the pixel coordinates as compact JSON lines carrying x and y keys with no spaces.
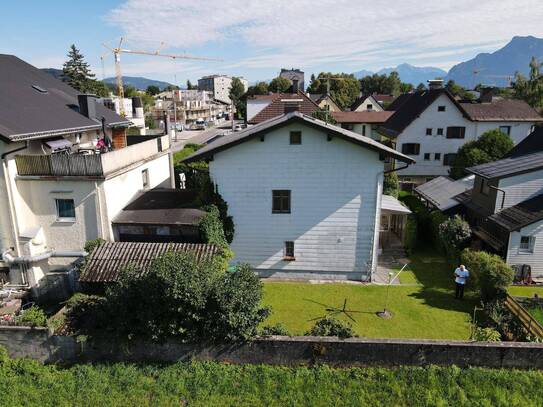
{"x":366,"y":104}
{"x":67,"y":171}
{"x":305,"y":196}
{"x":220,"y":86}
{"x":365,"y":123}
{"x":264,"y":107}
{"x":296,"y":77}
{"x":133,"y":110}
{"x":431,"y":126}
{"x":324,"y":101}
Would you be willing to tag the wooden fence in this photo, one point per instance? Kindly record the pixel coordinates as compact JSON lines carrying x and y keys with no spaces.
{"x":528,"y":321}
{"x":59,"y":165}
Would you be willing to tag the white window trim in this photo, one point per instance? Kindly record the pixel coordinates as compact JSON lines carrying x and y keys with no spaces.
{"x":64,"y":219}
{"x":531,"y":245}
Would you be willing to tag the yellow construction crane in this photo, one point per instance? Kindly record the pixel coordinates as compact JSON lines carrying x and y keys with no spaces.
{"x":117,"y":51}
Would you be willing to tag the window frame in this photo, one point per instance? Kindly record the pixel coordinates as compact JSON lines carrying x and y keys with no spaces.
{"x":484,"y":187}
{"x":531,"y":245}
{"x":67,"y":219}
{"x":369,"y":107}
{"x":429,"y":131}
{"x":461,"y":135}
{"x":427,"y":157}
{"x":508,"y":132}
{"x":281,"y":195}
{"x":446,"y":159}
{"x":288,"y":250}
{"x":439,"y":131}
{"x":416,"y":148}
{"x":437,"y":156}
{"x":441,"y":108}
{"x":292,"y":137}
{"x":145,"y":178}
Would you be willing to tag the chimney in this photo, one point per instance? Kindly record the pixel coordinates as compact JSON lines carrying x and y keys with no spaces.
{"x":87,"y":106}
{"x":435,"y":84}
{"x":137,"y":107}
{"x":295,"y":86}
{"x":485,"y":94}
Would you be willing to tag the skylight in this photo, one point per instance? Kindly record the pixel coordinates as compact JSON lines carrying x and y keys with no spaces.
{"x":39,"y":89}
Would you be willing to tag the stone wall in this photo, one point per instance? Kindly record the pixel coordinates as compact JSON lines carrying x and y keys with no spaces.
{"x":289,"y":351}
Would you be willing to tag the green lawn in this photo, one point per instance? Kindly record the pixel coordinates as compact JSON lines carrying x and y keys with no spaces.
{"x":427,"y":310}
{"x":524,"y":291}
{"x":196,"y":384}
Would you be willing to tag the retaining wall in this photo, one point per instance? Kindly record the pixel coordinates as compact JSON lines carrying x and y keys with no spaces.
{"x":37,"y":343}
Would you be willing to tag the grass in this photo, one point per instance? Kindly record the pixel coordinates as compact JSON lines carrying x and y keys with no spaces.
{"x":525,"y":291}
{"x":427,"y":310}
{"x":29,"y":383}
{"x":537,"y":313}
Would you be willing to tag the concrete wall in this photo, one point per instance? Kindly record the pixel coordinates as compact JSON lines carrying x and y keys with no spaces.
{"x":535,"y":259}
{"x":37,"y":344}
{"x":334,"y":194}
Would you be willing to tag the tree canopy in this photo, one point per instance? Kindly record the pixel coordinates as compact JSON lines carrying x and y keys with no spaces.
{"x":457,"y":90}
{"x":382,"y":84}
{"x":190,"y":86}
{"x":491,"y":146}
{"x":152,"y":90}
{"x":237,"y":90}
{"x":77,"y":73}
{"x":261,"y":88}
{"x":530,"y":89}
{"x":344,"y":88}
{"x":279,"y":85}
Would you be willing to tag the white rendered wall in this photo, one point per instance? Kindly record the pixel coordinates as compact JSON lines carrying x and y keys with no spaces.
{"x":535,"y":259}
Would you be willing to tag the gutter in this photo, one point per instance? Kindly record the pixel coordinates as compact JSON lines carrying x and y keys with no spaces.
{"x":502,"y":191}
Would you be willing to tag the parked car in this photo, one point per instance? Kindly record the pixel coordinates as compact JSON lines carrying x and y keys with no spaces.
{"x":200,"y":124}
{"x":238,"y":127}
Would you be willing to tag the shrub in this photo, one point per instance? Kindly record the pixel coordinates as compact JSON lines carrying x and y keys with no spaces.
{"x":211,"y":228}
{"x":32,"y":316}
{"x":391,"y":185}
{"x":486,"y":335}
{"x":489,"y":273}
{"x":329,"y":326}
{"x":90,"y":245}
{"x":277,"y":329}
{"x":454,"y":233}
{"x":436,"y":219}
{"x":410,"y":234}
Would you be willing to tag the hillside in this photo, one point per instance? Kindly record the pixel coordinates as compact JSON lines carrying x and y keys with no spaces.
{"x":408,"y":73}
{"x":139,"y":82}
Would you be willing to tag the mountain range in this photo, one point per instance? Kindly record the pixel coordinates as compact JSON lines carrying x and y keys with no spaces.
{"x":139,"y":82}
{"x":408,"y":73}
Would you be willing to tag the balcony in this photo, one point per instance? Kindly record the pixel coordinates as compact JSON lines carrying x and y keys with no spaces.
{"x":93,"y":165}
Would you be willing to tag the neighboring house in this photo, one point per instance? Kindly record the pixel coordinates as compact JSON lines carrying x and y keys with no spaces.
{"x":440,"y":193}
{"x":264,"y":107}
{"x":220,"y":86}
{"x":133,"y":110}
{"x":61,"y":186}
{"x":385,"y":100}
{"x":305,"y":196}
{"x":365,"y":123}
{"x":324,"y":101}
{"x":505,"y":207}
{"x":431,"y":126}
{"x":296,"y":77}
{"x":366,"y":104}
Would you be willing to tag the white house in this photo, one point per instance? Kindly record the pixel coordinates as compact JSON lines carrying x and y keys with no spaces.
{"x":365,"y":123}
{"x":366,"y":103}
{"x":66,"y":172}
{"x":220,"y":86}
{"x":431,"y":125}
{"x":305,"y":196}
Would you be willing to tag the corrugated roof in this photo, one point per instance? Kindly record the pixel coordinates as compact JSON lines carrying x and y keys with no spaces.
{"x":362,"y":117}
{"x":391,"y":204}
{"x":509,"y":166}
{"x":34,"y":104}
{"x":107,"y":260}
{"x":440,"y":191}
{"x":520,"y":215}
{"x":277,"y":106}
{"x":234,"y":139}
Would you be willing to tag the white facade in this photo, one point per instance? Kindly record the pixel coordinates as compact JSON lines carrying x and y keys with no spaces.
{"x":369,"y":104}
{"x":434,"y":147}
{"x":335,"y":188}
{"x":534,"y":254}
{"x":220,"y":86}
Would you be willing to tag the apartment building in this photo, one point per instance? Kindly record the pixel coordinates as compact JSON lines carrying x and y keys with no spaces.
{"x":220,"y":86}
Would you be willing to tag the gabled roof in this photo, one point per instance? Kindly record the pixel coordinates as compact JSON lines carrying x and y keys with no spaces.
{"x":383,"y":98}
{"x":278,"y":103}
{"x":34,"y":104}
{"x":356,"y":104}
{"x":362,"y":117}
{"x":531,"y":144}
{"x":441,"y":191}
{"x":521,"y":215}
{"x":510,"y":166}
{"x":107,"y":260}
{"x":511,"y":110}
{"x":234,"y":139}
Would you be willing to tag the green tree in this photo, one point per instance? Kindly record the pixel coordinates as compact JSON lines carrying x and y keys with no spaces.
{"x":261,"y":88}
{"x":325,"y":116}
{"x":279,"y":85}
{"x":98,"y":88}
{"x":382,"y":84}
{"x":457,"y":90}
{"x":531,"y":89}
{"x":130,"y":91}
{"x":491,"y":146}
{"x":391,"y":185}
{"x":454,"y":234}
{"x":237,"y":90}
{"x":190,"y":86}
{"x":344,"y":88}
{"x":171,"y":87}
{"x":420,"y":87}
{"x":76,"y":72}
{"x":152,"y":90}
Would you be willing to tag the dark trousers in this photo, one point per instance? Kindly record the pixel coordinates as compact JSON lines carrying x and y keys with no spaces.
{"x":459,"y":290}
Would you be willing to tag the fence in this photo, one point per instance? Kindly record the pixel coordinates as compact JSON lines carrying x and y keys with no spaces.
{"x":59,"y":165}
{"x":528,"y":321}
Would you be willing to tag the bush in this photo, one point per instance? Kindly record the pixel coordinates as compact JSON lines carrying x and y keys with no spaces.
{"x":329,"y":326}
{"x":391,"y":185}
{"x":436,"y":219}
{"x":32,"y":316}
{"x":90,"y":245}
{"x":277,"y":329}
{"x":211,"y":228}
{"x":410,"y":234}
{"x":489,"y":273}
{"x":454,"y":234}
{"x":486,"y":335}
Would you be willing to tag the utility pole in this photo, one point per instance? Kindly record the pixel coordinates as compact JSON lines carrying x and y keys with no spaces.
{"x":174,"y":109}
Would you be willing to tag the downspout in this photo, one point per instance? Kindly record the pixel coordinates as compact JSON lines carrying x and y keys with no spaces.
{"x":9,"y":259}
{"x":99,"y":203}
{"x":502,"y":191}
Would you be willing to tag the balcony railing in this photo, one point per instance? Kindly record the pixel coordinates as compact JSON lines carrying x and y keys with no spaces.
{"x":96,"y":165}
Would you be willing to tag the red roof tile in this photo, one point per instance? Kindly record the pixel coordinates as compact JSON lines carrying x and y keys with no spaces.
{"x":277,"y":106}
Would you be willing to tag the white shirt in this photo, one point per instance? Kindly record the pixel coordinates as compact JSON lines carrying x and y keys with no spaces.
{"x":461,"y":275}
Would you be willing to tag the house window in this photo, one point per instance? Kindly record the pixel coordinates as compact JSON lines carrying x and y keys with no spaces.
{"x":440,"y":131}
{"x":527,"y":244}
{"x":295,"y":137}
{"x":411,"y":148}
{"x":370,"y":106}
{"x":65,"y":210}
{"x":448,"y":159}
{"x":363,"y":129}
{"x":428,"y":132}
{"x":289,"y":251}
{"x":456,"y":132}
{"x":437,"y":156}
{"x":485,"y":189}
{"x":506,"y":130}
{"x":145,"y":178}
{"x":441,"y":108}
{"x":347,"y":126}
{"x":426,"y":156}
{"x":281,"y":201}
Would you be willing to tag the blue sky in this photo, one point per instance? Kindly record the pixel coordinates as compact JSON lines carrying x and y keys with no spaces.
{"x":256,"y":38}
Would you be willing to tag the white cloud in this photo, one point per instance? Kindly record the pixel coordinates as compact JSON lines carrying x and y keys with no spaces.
{"x":310,"y":33}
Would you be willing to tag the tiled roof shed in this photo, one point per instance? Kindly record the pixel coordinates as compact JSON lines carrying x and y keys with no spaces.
{"x":107,"y":260}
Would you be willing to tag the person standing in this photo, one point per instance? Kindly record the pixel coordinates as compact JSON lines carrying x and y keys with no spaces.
{"x":461,"y":275}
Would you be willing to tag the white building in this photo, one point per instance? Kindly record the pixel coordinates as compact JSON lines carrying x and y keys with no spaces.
{"x":133,"y":110}
{"x":432,"y":125}
{"x":66,"y":172}
{"x":363,"y":122}
{"x":220,"y":86}
{"x":305,"y":196}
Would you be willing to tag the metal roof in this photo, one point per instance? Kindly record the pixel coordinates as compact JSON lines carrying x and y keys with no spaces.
{"x":509,"y":166}
{"x":520,"y":215}
{"x":391,"y":204}
{"x":233,"y":139}
{"x":107,"y":260}
{"x":440,"y":191}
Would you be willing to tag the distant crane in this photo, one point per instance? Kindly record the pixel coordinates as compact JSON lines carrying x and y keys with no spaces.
{"x":117,"y":51}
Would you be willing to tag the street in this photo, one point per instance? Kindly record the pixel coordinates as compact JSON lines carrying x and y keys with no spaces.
{"x":198,"y":136}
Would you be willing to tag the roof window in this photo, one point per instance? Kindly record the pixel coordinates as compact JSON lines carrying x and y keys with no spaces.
{"x":39,"y":88}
